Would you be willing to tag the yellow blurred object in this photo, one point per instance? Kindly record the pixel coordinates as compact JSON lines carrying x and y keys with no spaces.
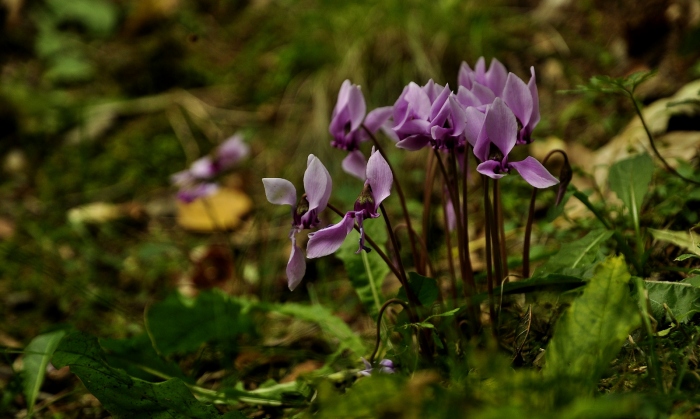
{"x":223,"y":210}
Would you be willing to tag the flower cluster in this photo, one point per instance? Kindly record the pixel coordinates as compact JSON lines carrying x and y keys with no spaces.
{"x":200,"y":179}
{"x":317,"y":186}
{"x":492,"y":111}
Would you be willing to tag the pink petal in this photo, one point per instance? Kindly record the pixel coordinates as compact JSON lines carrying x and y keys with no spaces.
{"x":231,"y":151}
{"x":496,"y":76}
{"x":203,"y":168}
{"x":414,"y":142}
{"x":317,"y":183}
{"x":517,"y":96}
{"x":377,"y":117}
{"x":535,"y":117}
{"x":501,"y":126}
{"x":489,"y":168}
{"x":379,"y":177}
{"x":296,"y":267}
{"x":465,"y":76}
{"x":328,"y":240}
{"x":280,"y":191}
{"x":534,"y":173}
{"x":357,"y":107}
{"x":475,"y":122}
{"x":355,"y":164}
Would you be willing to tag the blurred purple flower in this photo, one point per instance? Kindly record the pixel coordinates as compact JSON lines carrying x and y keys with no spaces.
{"x":496,"y":139}
{"x":190,"y":188}
{"x":199,"y":180}
{"x":386,"y":366}
{"x":348,"y":116}
{"x":317,"y":185}
{"x":378,"y":181}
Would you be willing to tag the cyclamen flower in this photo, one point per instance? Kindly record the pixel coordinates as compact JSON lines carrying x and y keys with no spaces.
{"x":496,"y":139}
{"x":480,"y":87}
{"x":376,"y":189}
{"x":348,"y":116}
{"x":428,"y":115}
{"x":386,"y":367}
{"x":198,"y":181}
{"x":317,"y":185}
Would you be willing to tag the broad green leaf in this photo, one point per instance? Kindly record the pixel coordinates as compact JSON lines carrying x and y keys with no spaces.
{"x":682,"y":298}
{"x":182,"y":324}
{"x":592,"y":330}
{"x":425,"y":288}
{"x":630,"y":179}
{"x":692,"y":280}
{"x":578,"y":258}
{"x":139,"y":359}
{"x":36,"y":357}
{"x":366,"y":271}
{"x":683,"y":239}
{"x":122,"y":395}
{"x":330,"y":325}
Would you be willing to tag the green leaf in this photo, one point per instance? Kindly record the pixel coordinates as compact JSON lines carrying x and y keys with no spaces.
{"x":592,"y":330}
{"x":121,"y":394}
{"x":682,"y":298}
{"x":425,"y":288}
{"x":630,"y":179}
{"x":692,"y":280}
{"x":686,"y":256}
{"x":683,"y":239}
{"x":578,"y":258}
{"x":139,"y":359}
{"x":181,"y":324}
{"x":329,"y":324}
{"x":366,"y":270}
{"x":36,"y":357}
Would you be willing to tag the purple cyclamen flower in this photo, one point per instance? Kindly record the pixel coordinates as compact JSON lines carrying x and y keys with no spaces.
{"x":378,"y":180}
{"x":198,"y":181}
{"x":496,"y":139}
{"x":349,"y":116}
{"x":386,"y":367}
{"x":428,"y":115}
{"x":494,"y":78}
{"x":191,"y":188}
{"x":317,"y":185}
{"x":480,"y":87}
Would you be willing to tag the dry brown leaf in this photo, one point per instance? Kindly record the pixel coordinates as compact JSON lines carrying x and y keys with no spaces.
{"x":223,"y":210}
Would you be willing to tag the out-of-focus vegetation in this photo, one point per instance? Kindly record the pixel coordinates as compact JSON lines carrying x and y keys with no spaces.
{"x":102,"y":100}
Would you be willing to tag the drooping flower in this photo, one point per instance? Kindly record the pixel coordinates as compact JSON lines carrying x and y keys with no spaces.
{"x":199,"y":180}
{"x":349,"y":116}
{"x":479,"y":88}
{"x":428,"y":115}
{"x":317,"y":187}
{"x":386,"y":366}
{"x":496,"y":139}
{"x":378,"y":180}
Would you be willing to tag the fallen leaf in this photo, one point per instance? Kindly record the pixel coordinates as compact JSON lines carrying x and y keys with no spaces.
{"x":221,"y":211}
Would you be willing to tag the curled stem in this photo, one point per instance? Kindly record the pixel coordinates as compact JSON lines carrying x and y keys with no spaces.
{"x":379,"y":323}
{"x":652,"y":143}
